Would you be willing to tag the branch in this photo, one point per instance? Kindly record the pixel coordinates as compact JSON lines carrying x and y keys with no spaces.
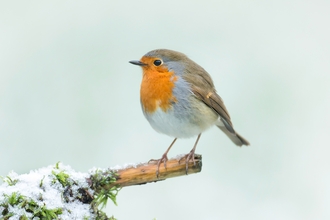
{"x":59,"y":192}
{"x":146,"y":172}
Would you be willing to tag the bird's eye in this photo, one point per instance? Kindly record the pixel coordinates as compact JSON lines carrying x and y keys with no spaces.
{"x":157,"y":62}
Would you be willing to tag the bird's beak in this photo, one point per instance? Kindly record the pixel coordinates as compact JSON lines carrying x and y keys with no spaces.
{"x":137,"y":62}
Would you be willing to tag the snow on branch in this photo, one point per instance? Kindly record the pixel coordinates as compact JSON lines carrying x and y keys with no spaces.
{"x":59,"y":192}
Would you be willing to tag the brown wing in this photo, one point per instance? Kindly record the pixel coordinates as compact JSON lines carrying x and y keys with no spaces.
{"x":198,"y":79}
{"x":214,"y":101}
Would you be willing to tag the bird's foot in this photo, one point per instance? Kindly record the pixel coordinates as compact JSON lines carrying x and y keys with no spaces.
{"x":189,"y":157}
{"x":163,"y":160}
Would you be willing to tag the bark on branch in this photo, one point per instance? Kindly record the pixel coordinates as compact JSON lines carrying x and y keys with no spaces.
{"x":146,"y":172}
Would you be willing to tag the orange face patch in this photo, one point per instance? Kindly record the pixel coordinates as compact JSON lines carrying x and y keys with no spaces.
{"x":157,"y":86}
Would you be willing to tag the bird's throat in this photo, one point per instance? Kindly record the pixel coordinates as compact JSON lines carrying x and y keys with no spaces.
{"x":157,"y":91}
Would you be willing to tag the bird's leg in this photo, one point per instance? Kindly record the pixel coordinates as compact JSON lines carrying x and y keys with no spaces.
{"x":163,"y":158}
{"x":191,"y":155}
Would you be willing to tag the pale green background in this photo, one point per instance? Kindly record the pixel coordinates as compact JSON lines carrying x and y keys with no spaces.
{"x":68,"y":93}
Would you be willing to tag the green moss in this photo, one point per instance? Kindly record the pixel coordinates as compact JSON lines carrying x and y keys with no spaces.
{"x":8,"y":180}
{"x":101,"y":188}
{"x":61,"y":177}
{"x":41,"y":182}
{"x":30,"y":206}
{"x":102,"y":216}
{"x":100,"y":179}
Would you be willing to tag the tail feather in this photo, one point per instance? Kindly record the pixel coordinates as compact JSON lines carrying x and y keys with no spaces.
{"x":243,"y":140}
{"x":235,"y":137}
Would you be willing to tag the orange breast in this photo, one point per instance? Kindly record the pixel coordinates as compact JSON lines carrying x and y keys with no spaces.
{"x":156,"y":89}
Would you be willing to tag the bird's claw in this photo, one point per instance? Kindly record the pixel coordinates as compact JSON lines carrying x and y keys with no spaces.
{"x":189,"y":157}
{"x":163,"y":160}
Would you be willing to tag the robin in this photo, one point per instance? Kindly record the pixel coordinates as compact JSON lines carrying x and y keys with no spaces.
{"x":178,"y":99}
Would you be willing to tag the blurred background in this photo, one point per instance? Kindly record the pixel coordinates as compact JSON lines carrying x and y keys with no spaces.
{"x":68,"y":93}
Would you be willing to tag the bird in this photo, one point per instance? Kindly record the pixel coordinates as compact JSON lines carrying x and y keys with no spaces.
{"x":179,"y":99}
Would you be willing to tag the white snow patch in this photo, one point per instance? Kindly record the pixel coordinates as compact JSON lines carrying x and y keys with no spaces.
{"x":49,"y":194}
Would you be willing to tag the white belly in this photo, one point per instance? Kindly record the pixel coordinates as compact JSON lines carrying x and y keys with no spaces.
{"x":183,"y":121}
